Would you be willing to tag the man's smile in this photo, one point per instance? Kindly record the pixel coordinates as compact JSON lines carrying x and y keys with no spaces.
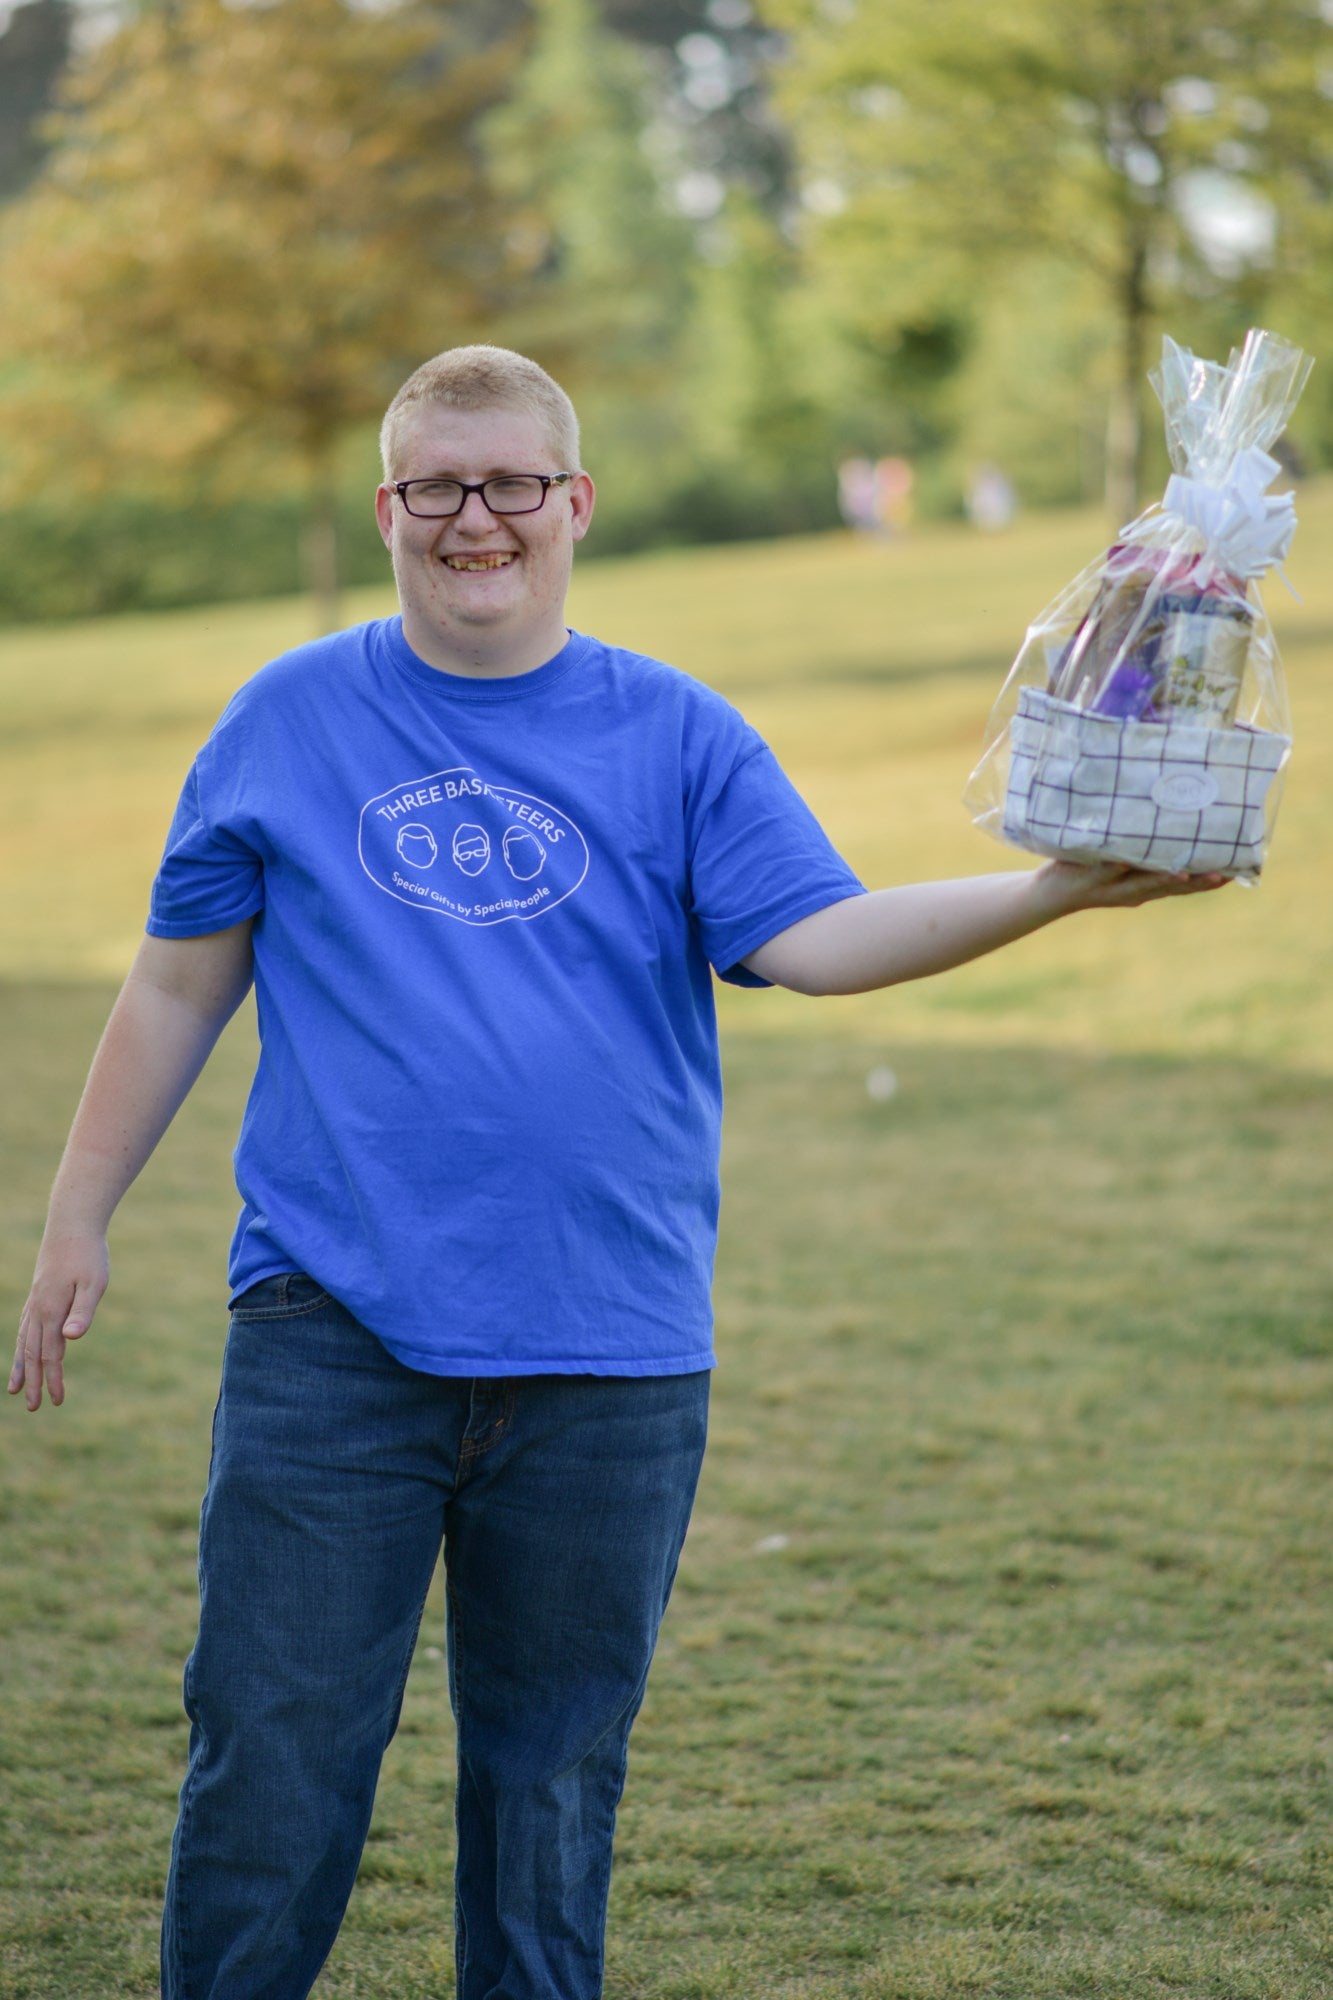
{"x":500,"y":560}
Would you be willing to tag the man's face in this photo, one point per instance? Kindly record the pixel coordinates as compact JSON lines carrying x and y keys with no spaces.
{"x":480,"y":578}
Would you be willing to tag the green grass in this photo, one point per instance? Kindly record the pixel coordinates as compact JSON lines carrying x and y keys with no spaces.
{"x":999,"y":1661}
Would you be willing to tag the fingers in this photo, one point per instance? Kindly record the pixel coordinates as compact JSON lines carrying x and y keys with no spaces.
{"x":50,"y":1345}
{"x":16,"y":1373}
{"x":1119,"y":885}
{"x":39,"y":1356}
{"x":1191,"y":885}
{"x":82,"y":1307}
{"x":28,"y":1370}
{"x":1133,"y":886}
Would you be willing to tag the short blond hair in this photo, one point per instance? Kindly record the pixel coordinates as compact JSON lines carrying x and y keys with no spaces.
{"x":484,"y":378}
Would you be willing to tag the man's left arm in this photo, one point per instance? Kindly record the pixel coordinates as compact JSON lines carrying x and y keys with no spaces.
{"x":892,"y":935}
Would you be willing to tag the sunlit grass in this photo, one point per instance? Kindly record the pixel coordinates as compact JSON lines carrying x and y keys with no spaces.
{"x":998,"y":1662}
{"x":998,"y":1665}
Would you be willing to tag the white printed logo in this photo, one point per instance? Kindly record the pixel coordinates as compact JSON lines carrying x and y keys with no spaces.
{"x":472,"y":849}
{"x":1185,"y":791}
{"x":524,"y":855}
{"x":416,"y":847}
{"x":456,"y":845}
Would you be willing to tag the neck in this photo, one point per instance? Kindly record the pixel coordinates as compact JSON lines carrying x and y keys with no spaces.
{"x":484,"y":655}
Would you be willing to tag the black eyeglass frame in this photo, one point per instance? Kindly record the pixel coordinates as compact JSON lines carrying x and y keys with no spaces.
{"x":548,"y":479}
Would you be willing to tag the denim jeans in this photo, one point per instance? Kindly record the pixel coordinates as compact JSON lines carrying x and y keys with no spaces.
{"x":561,"y":1501}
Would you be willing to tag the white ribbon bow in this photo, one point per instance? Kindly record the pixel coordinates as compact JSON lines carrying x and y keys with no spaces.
{"x":1246,"y":530}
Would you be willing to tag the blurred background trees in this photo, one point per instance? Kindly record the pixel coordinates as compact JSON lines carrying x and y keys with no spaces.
{"x":254,"y":221}
{"x":34,"y":48}
{"x":752,"y":241}
{"x":1082,"y":176}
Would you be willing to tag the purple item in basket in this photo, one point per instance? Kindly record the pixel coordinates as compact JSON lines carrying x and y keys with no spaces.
{"x":1128,"y":693}
{"x":1111,"y":632}
{"x":1188,"y":653}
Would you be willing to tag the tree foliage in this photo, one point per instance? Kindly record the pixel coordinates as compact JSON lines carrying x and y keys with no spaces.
{"x":609,"y":263}
{"x":34,"y":46}
{"x":268,"y":213}
{"x":711,"y":62}
{"x":954,"y":148}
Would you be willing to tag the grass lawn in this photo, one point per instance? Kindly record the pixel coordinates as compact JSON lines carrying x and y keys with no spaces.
{"x":999,"y":1663}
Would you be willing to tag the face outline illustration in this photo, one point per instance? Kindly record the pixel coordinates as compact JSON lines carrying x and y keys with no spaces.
{"x":471,"y":849}
{"x":524,"y":855}
{"x":416,"y":847}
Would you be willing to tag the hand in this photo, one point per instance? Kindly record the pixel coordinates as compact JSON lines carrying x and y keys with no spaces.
{"x":1114,"y":885}
{"x":72,"y":1274}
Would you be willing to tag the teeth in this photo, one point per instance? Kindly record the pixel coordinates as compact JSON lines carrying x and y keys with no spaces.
{"x":478,"y":562}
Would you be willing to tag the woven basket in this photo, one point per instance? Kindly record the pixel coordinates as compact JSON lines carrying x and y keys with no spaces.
{"x":1168,"y":795}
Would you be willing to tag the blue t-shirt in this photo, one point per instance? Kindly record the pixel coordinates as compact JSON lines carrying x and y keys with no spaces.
{"x":486,"y":1115}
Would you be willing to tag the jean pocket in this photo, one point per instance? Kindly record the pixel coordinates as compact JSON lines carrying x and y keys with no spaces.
{"x":285,"y":1296}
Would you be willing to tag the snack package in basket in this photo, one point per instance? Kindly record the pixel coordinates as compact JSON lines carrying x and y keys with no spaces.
{"x":1145,"y":718}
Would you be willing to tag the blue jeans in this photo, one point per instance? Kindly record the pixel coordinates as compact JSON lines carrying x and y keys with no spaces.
{"x":562,"y":1502}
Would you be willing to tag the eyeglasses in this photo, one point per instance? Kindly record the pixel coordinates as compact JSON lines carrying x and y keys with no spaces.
{"x":511,"y":493}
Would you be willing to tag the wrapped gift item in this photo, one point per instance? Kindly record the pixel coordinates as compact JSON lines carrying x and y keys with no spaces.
{"x":1145,"y":718}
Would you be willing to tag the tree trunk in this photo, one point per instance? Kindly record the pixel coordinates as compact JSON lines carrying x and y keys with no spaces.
{"x":319,"y":541}
{"x":1124,"y":423}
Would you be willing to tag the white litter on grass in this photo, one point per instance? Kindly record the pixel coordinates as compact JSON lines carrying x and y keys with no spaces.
{"x":769,"y":1545}
{"x":881,"y":1084}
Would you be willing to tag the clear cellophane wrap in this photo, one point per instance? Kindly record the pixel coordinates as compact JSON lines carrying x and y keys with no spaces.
{"x":1145,"y":719}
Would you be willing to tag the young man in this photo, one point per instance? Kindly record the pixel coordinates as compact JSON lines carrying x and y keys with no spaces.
{"x":479,"y":869}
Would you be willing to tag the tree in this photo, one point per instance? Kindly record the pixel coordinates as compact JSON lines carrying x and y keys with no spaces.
{"x":268,"y":214}
{"x":609,"y":263}
{"x":34,"y":47}
{"x":711,"y":61}
{"x":952,"y":146}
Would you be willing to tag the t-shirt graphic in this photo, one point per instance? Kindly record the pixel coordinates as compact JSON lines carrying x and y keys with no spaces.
{"x":454,"y":844}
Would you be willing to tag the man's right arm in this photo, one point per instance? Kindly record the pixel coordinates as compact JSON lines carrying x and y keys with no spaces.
{"x":179,"y":995}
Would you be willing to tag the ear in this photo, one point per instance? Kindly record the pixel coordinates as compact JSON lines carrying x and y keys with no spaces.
{"x":384,"y":499}
{"x":582,"y":500}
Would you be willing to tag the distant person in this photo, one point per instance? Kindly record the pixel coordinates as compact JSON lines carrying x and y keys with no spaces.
{"x":991,"y":500}
{"x":856,"y":495}
{"x":894,"y":483}
{"x":481,"y":870}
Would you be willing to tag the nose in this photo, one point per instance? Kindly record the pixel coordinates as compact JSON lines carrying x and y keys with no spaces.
{"x":481,"y":521}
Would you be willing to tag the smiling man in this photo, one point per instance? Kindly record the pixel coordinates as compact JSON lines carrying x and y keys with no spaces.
{"x":478,"y":1171}
{"x":481,"y":570}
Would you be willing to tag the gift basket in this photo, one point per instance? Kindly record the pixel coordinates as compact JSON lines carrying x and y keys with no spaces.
{"x":1145,"y":718}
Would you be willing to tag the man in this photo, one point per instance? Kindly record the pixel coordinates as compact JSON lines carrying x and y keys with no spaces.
{"x":478,"y":868}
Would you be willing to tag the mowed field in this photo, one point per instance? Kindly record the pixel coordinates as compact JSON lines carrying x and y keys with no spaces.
{"x":1000,"y":1660}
